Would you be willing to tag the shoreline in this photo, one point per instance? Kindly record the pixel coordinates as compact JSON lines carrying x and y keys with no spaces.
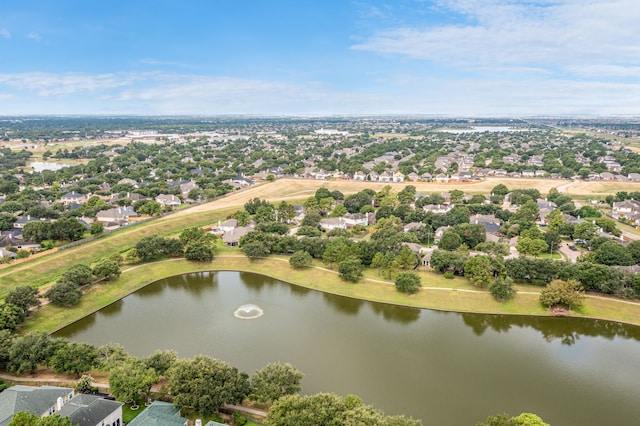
{"x":368,"y":289}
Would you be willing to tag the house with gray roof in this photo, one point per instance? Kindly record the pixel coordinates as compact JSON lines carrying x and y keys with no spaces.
{"x":92,"y":410}
{"x":159,"y":413}
{"x":41,"y":401}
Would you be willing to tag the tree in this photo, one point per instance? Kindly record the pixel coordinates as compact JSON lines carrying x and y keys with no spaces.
{"x":74,"y":358}
{"x":531,"y":246}
{"x":524,"y":419}
{"x":479,"y":269}
{"x":192,"y":234}
{"x":29,"y":351}
{"x":150,"y":207}
{"x":275,"y":381}
{"x":612,"y":253}
{"x":6,"y":342}
{"x":502,"y":289}
{"x":563,"y":293}
{"x":585,"y":231}
{"x":206,"y":384}
{"x":406,"y":259}
{"x":131,"y":380}
{"x":339,"y":210}
{"x":64,"y":293}
{"x":300,"y":260}
{"x":408,"y":282}
{"x":84,"y":384}
{"x":286,"y":212}
{"x":350,"y":269}
{"x":97,"y":228}
{"x":106,"y":269}
{"x":450,"y":240}
{"x":255,"y":250}
{"x":77,"y":274}
{"x":500,"y":189}
{"x":150,"y":247}
{"x":161,"y":361}
{"x":328,"y":409}
{"x":199,"y":251}
{"x":25,"y":418}
{"x":11,"y":316}
{"x":25,"y":297}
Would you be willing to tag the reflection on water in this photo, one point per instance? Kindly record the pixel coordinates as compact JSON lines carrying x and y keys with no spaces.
{"x":443,"y":367}
{"x":565,"y":330}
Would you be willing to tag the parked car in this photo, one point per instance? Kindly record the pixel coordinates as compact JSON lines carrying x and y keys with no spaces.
{"x":573,"y":248}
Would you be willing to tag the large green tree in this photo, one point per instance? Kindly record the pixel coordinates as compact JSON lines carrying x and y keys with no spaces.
{"x":206,"y":384}
{"x":73,"y":357}
{"x":132,"y":380}
{"x":479,"y":269}
{"x":275,"y":381}
{"x":564,"y":293}
{"x":25,"y":297}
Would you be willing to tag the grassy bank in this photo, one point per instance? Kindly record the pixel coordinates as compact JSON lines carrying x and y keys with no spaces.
{"x":439,"y":293}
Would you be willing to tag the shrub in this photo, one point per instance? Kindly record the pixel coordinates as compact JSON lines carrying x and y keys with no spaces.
{"x":448,"y":275}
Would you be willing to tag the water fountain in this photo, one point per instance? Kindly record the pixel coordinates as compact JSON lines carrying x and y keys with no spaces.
{"x":248,"y":311}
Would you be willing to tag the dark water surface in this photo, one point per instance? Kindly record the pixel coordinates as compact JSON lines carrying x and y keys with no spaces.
{"x":445,"y":368}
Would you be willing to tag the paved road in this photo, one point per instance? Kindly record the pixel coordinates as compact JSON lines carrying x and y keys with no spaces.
{"x":569,"y":255}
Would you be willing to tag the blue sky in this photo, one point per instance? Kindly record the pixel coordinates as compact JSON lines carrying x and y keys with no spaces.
{"x":281,"y":57}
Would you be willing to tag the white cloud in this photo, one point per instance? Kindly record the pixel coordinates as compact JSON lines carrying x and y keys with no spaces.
{"x":152,"y":93}
{"x":537,"y":33}
{"x":34,"y":36}
{"x":5,"y":33}
{"x":48,"y":84}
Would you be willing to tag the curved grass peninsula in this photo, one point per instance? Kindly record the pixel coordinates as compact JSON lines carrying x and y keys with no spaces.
{"x":438,"y":293}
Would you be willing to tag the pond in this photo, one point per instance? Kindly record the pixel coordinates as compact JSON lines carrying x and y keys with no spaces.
{"x":442,"y":367}
{"x":39,"y":166}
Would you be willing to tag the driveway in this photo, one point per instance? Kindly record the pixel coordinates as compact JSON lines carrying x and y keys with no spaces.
{"x":569,"y":254}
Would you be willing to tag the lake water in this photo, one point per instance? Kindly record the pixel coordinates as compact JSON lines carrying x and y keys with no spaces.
{"x":39,"y":166}
{"x":445,"y":368}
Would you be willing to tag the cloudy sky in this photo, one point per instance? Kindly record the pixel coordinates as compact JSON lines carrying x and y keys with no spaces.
{"x":318,"y":57}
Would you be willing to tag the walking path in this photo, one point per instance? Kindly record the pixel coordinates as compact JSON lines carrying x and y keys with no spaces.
{"x":442,"y":288}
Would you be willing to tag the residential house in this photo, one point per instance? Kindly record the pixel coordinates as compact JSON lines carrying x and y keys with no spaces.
{"x":397,"y":177}
{"x":92,"y":410}
{"x":626,"y":209}
{"x":426,"y":177}
{"x":332,"y":223}
{"x":186,"y":187}
{"x":41,"y":401}
{"x":353,"y":219}
{"x":159,"y":413}
{"x":442,"y":178}
{"x":359,"y":176}
{"x":168,"y":200}
{"x":127,"y":181}
{"x":232,"y":237}
{"x":490,"y":222}
{"x":73,"y":197}
{"x":415,"y":248}
{"x":437,"y":208}
{"x":438,"y":234}
{"x":634,"y":177}
{"x":413,"y":177}
{"x":413,"y":226}
{"x":528,"y":173}
{"x":22,"y":221}
{"x":13,"y":238}
{"x":116,"y":216}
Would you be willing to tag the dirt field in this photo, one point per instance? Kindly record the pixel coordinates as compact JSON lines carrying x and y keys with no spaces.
{"x":288,"y":189}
